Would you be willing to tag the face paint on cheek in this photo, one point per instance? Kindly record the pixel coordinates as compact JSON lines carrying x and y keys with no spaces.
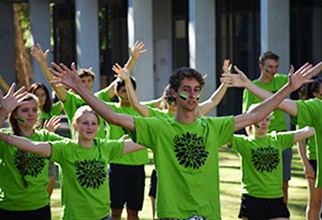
{"x":257,"y":125}
{"x":21,"y":119}
{"x":267,"y":70}
{"x":183,"y":96}
{"x":198,"y":97}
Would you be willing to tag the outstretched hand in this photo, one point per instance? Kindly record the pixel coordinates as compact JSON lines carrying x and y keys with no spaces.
{"x":137,"y":50}
{"x":300,"y":77}
{"x":52,"y":124}
{"x":226,"y":67}
{"x":234,"y":80}
{"x":122,"y":73}
{"x":12,"y":99}
{"x":38,"y":53}
{"x":65,"y":76}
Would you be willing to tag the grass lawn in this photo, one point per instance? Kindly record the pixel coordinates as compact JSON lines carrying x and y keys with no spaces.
{"x":230,"y":189}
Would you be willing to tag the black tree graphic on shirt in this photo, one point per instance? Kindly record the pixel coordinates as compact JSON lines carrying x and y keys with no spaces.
{"x":190,"y":150}
{"x":265,"y":159}
{"x":31,"y":164}
{"x":91,"y":173}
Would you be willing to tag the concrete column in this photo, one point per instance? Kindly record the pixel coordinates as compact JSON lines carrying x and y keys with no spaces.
{"x":7,"y":44}
{"x":87,"y":39}
{"x":202,"y":43}
{"x":162,"y":40}
{"x":39,"y":11}
{"x":140,"y":28}
{"x":275,"y":30}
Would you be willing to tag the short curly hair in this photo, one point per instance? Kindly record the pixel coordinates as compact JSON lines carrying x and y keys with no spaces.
{"x":184,"y":72}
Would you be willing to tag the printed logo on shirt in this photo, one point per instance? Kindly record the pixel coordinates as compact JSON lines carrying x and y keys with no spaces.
{"x":91,"y":173}
{"x":31,"y":164}
{"x":265,"y":159}
{"x":190,"y":150}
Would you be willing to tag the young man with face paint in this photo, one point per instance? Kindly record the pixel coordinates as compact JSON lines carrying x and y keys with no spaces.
{"x":185,"y":147}
{"x":272,"y":81}
{"x":169,"y":111}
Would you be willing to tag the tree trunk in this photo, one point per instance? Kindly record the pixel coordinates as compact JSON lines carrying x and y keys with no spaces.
{"x":23,"y":66}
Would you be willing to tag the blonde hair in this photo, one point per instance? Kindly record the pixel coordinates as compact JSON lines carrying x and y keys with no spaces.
{"x":249,"y":129}
{"x":81,"y":111}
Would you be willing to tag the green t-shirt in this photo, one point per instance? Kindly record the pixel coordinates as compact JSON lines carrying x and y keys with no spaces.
{"x":103,"y":95}
{"x":186,"y":157}
{"x":71,"y":104}
{"x":278,"y":123}
{"x":55,"y":111}
{"x":135,"y":158}
{"x":153,"y":112}
{"x":309,"y":114}
{"x":85,"y":192}
{"x":149,"y":103}
{"x":311,"y":146}
{"x":261,"y":163}
{"x":14,"y":196}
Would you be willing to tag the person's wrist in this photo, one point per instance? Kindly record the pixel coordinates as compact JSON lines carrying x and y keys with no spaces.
{"x":5,"y":137}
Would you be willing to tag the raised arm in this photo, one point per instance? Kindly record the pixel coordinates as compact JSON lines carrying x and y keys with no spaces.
{"x":241,"y":80}
{"x":130,"y":146}
{"x":206,"y":106}
{"x":10,"y":101}
{"x":267,"y":106}
{"x":41,"y":57}
{"x":70,"y":78}
{"x":302,"y":134}
{"x":135,"y":53}
{"x":40,"y":148}
{"x":124,"y":74}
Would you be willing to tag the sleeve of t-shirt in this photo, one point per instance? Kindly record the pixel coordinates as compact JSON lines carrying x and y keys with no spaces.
{"x":239,"y":143}
{"x":307,"y":112}
{"x":103,"y":95}
{"x":113,"y":149}
{"x":222,"y":128}
{"x":145,"y":130}
{"x":60,"y":150}
{"x":285,"y":139}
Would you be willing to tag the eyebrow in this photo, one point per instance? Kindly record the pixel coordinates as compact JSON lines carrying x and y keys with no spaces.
{"x":190,"y":86}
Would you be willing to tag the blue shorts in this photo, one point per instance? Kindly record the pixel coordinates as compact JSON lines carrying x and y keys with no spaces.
{"x":126,"y":186}
{"x":287,"y":159}
{"x":254,"y":208}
